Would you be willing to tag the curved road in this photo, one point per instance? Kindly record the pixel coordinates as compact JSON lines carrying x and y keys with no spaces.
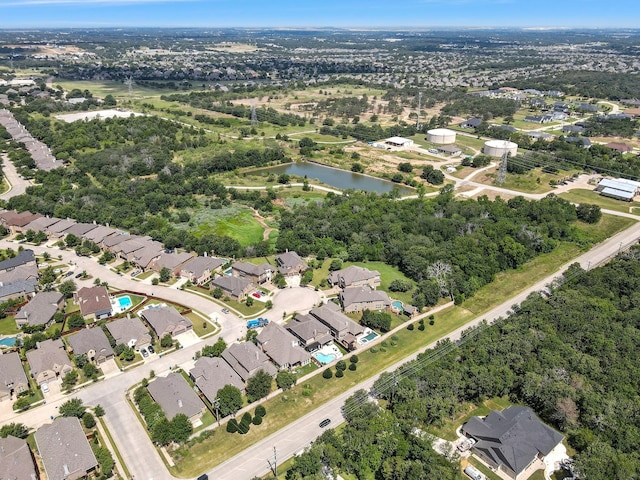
{"x":17,"y":184}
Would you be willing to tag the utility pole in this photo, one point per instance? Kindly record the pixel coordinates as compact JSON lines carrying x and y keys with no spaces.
{"x":419,"y":108}
{"x":129,"y":83}
{"x":254,"y":116}
{"x":502,"y":169}
{"x":274,"y":466}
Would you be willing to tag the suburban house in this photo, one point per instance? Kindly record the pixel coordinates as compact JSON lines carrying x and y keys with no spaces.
{"x":210,"y":374}
{"x":21,"y":272}
{"x":130,"y":332}
{"x":40,"y":310}
{"x":584,"y":142}
{"x":18,"y":289}
{"x":282,"y":347}
{"x":16,"y":221}
{"x":258,"y":274}
{"x":619,"y":147}
{"x":311,"y":333}
{"x":290,"y":263}
{"x":79,"y":229}
{"x":357,"y":299}
{"x":49,"y":361}
{"x":343,"y":329}
{"x":64,"y":449}
{"x":198,"y":270}
{"x":98,"y":234}
{"x":511,"y":440}
{"x":247,"y":359}
{"x":16,"y":460}
{"x":354,"y":276}
{"x":235,"y":287}
{"x":41,"y":224}
{"x":173,"y":261}
{"x":58,"y":229}
{"x":25,"y":257}
{"x":93,"y":343}
{"x":94,"y":302}
{"x":452,"y":150}
{"x":144,"y":257}
{"x":111,"y":241}
{"x":13,"y":380}
{"x":175,"y":395}
{"x":166,"y":320}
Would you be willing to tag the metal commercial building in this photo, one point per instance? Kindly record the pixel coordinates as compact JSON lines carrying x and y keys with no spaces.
{"x":619,"y":188}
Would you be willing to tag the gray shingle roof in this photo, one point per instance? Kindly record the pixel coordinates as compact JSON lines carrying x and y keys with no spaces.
{"x":288,"y":261}
{"x":175,"y":395}
{"x":50,"y":355}
{"x":281,"y":346}
{"x":21,"y":258}
{"x":11,"y":373}
{"x":246,"y":359}
{"x":129,"y":331}
{"x":513,"y":437}
{"x":212,"y":374}
{"x":16,"y":462}
{"x":165,"y":320}
{"x":330,"y":315}
{"x":41,"y":309}
{"x":198,"y":265}
{"x":64,"y":449}
{"x":89,"y":339}
{"x":251,"y":269}
{"x":93,"y":300}
{"x":352,"y":274}
{"x":23,"y":287}
{"x":310,"y":330}
{"x":363,"y":294}
{"x":21,"y":272}
{"x":235,"y":285}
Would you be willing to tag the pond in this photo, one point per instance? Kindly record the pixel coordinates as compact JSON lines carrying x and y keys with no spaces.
{"x":337,"y":178}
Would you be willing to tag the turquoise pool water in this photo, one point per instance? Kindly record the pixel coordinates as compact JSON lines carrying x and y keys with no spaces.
{"x":368,"y":338}
{"x":324,"y":359}
{"x":124,"y":302}
{"x":397,"y":304}
{"x":8,"y":341}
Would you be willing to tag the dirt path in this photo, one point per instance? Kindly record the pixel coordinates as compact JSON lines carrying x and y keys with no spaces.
{"x":260,"y":219}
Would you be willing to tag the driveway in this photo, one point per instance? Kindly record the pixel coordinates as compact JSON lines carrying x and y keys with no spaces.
{"x":109,"y":367}
{"x":187,"y":338}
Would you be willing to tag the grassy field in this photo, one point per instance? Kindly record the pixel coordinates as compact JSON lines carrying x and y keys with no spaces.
{"x":236,"y":222}
{"x":117,"y":89}
{"x":589,"y":196}
{"x":8,"y":326}
{"x":387,"y":275}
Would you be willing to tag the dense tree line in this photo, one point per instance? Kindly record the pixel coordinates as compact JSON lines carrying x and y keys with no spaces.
{"x":484,"y":107}
{"x":609,"y":127}
{"x":571,"y":357}
{"x":449,"y":247}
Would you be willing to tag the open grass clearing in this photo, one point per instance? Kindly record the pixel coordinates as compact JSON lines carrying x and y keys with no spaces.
{"x":582,"y":195}
{"x":102,"y":88}
{"x":236,"y":222}
{"x":8,"y":326}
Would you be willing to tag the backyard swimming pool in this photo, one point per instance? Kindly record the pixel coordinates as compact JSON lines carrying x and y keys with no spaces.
{"x":327,"y":354}
{"x":8,"y":341}
{"x":397,"y":306}
{"x":367,"y":336}
{"x":124,"y":302}
{"x":324,"y":358}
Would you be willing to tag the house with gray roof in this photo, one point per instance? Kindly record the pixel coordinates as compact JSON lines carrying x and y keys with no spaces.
{"x":142,"y":258}
{"x":64,"y":449}
{"x":247,"y":359}
{"x":13,"y":380}
{"x":21,"y":272}
{"x":49,"y":361}
{"x":111,"y":241}
{"x":98,"y":234}
{"x":40,"y":310}
{"x":282,"y":347}
{"x":17,"y":289}
{"x":311,"y":333}
{"x":257,"y":274}
{"x":130,"y":332}
{"x":166,"y":320}
{"x":511,"y":440}
{"x":25,"y":257}
{"x":210,"y":374}
{"x":343,"y":329}
{"x":16,"y":459}
{"x":199,"y":269}
{"x":41,"y":224}
{"x":290,"y":263}
{"x":173,"y":261}
{"x":471,"y":123}
{"x":354,"y":276}
{"x":58,"y":229}
{"x":17,"y":221}
{"x":94,"y":302}
{"x":79,"y":229}
{"x":175,"y":395}
{"x":93,"y":343}
{"x":357,"y":299}
{"x":235,"y":287}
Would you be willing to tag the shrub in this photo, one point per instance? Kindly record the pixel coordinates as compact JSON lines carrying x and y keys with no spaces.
{"x":244,"y":426}
{"x":354,"y":359}
{"x":246,"y":418}
{"x":341,"y":365}
{"x":410,"y":326}
{"x":373,"y":349}
{"x":232,"y":426}
{"x":431,"y":322}
{"x":257,"y":420}
{"x":384,"y":343}
{"x":327,"y":373}
{"x":382,"y":349}
{"x":88,"y":420}
{"x":261,"y":411}
{"x":339,"y":374}
{"x":353,"y":367}
{"x":421,"y":326}
{"x":394,"y":338}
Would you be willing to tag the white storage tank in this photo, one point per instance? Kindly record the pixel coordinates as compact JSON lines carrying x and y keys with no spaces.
{"x":441,"y":136}
{"x":497,"y":148}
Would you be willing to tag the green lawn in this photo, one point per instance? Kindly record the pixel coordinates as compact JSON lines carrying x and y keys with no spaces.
{"x":8,"y":326}
{"x":589,"y":196}
{"x":236,"y":222}
{"x":388,"y":274}
{"x":117,"y":89}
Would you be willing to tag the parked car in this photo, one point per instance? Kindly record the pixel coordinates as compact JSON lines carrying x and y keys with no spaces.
{"x":151,"y":349}
{"x":45,"y":388}
{"x":325,"y":422}
{"x":78,"y":275}
{"x":68,"y":274}
{"x":225,"y":310}
{"x":144,"y":352}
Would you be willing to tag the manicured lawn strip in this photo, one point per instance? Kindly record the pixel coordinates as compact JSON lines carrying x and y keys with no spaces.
{"x":8,"y":326}
{"x":114,"y":448}
{"x":488,"y":473}
{"x":145,"y":275}
{"x":582,"y":195}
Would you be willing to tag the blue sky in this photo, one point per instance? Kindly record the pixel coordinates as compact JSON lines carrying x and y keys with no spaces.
{"x":318,"y":13}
